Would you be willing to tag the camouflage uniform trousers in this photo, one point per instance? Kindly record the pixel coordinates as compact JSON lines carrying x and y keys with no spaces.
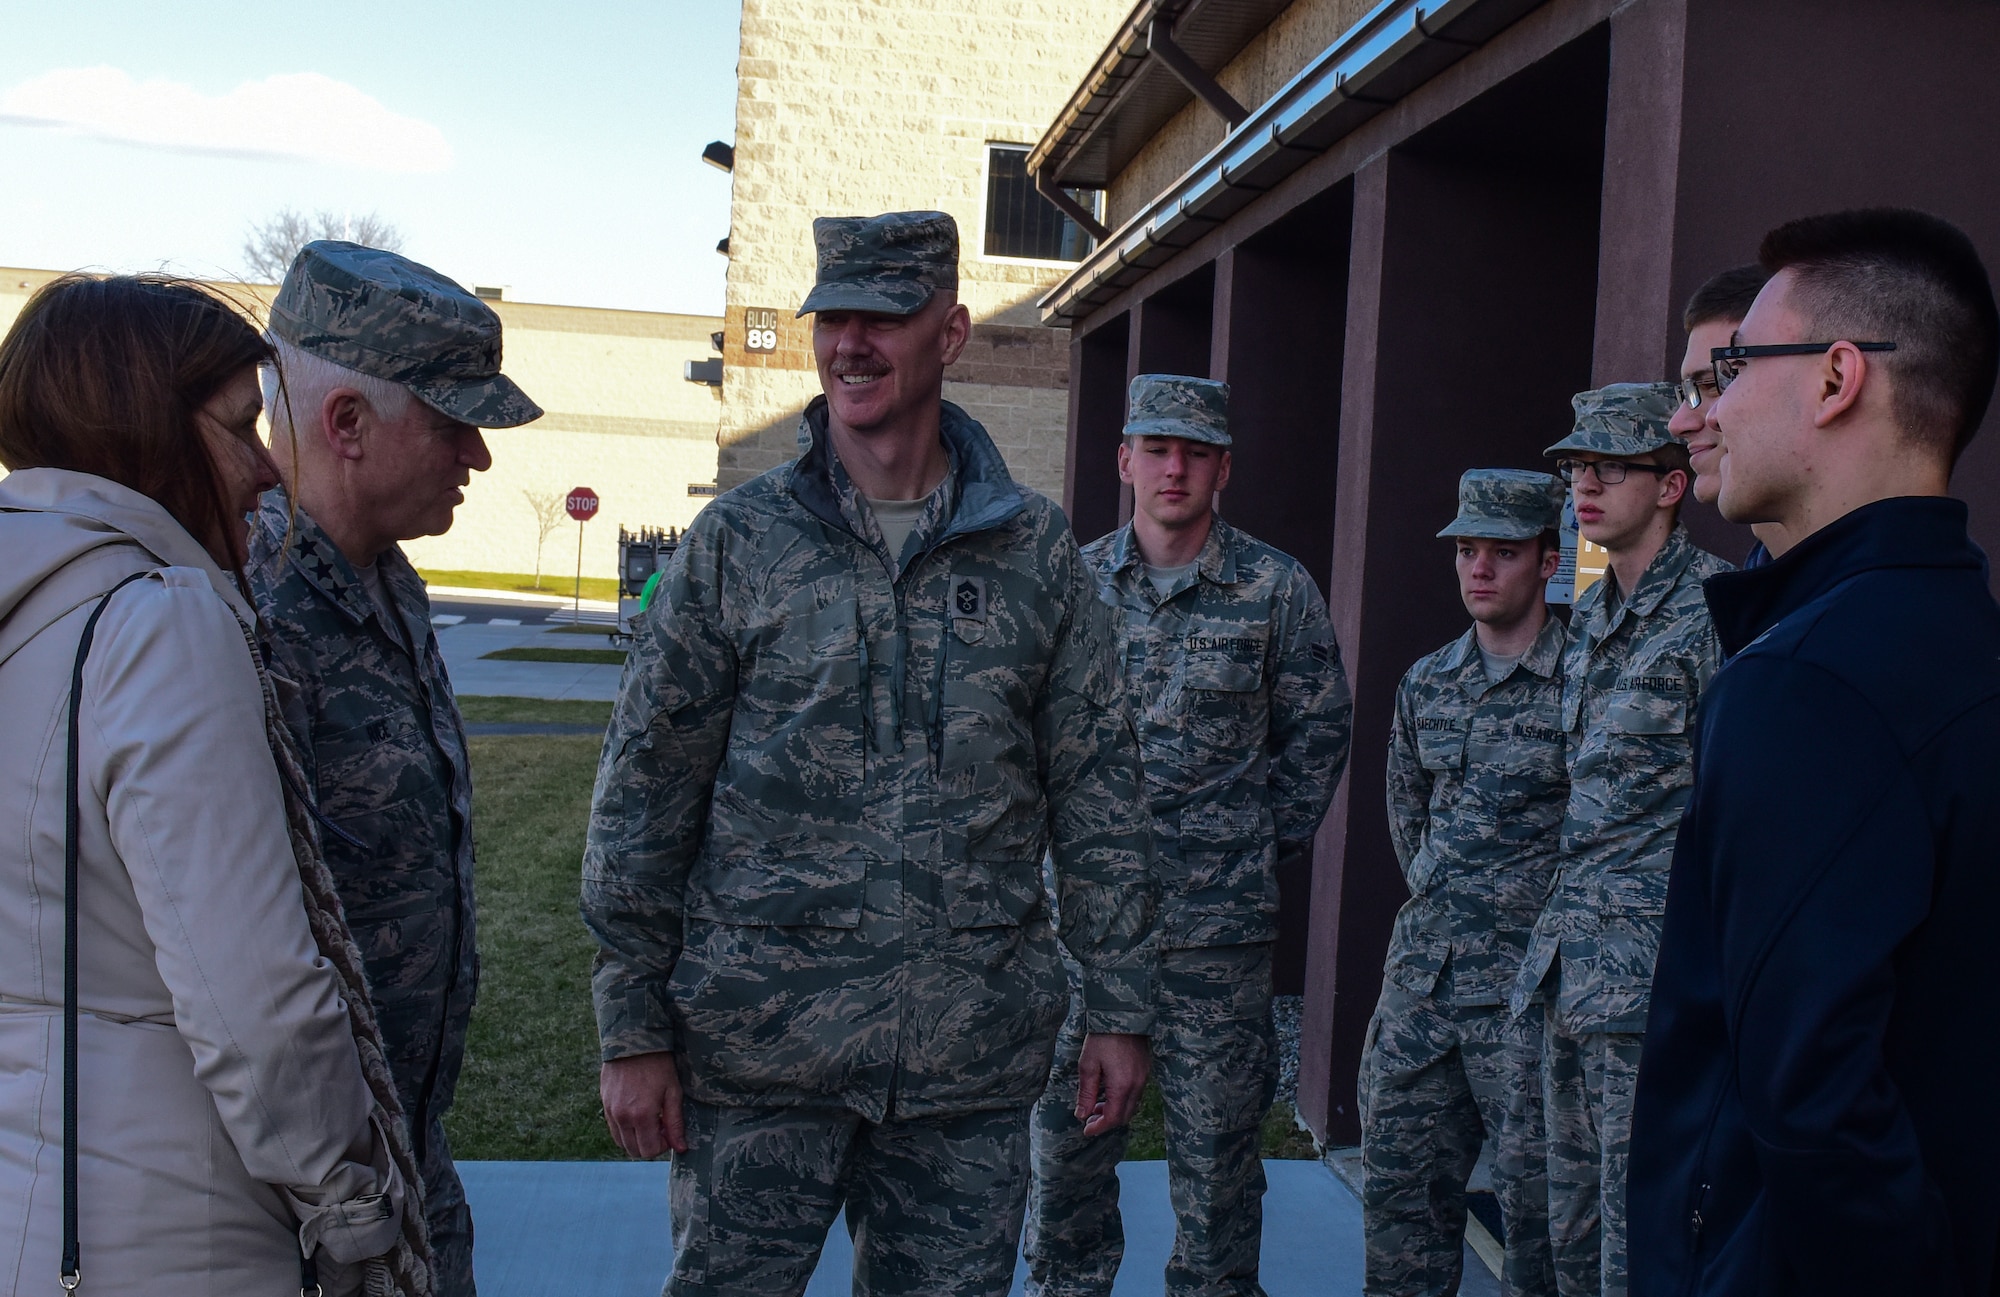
{"x":1215,"y":1056}
{"x":933,"y":1204}
{"x":1436,"y":1082}
{"x":448,"y":1215}
{"x":1587,"y":1091}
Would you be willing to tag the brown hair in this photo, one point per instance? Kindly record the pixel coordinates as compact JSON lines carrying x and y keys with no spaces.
{"x":1910,"y":278}
{"x":105,"y":376}
{"x":1726,"y":298}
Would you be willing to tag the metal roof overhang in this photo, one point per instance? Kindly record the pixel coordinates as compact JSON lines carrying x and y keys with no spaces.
{"x":1129,"y":98}
{"x":1396,"y":47}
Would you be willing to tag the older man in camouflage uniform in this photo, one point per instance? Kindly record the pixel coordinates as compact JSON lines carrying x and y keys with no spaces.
{"x":391,"y":370}
{"x":1235,"y":683}
{"x":877,"y":687}
{"x":1477,"y":790}
{"x":1641,"y":651}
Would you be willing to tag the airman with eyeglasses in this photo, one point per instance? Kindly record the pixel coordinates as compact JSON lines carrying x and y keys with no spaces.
{"x":1710,"y":318}
{"x":1641,"y":652}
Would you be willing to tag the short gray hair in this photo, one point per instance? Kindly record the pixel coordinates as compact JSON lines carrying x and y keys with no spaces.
{"x":308,"y":378}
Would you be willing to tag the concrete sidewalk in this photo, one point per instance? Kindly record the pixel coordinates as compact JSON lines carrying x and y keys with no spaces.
{"x":601,"y":1228}
{"x":472,"y":674}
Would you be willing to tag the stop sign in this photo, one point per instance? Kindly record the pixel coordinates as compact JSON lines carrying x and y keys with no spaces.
{"x":582,"y":504}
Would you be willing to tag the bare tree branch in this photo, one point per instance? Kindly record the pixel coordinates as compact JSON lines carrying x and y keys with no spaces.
{"x":549,"y":507}
{"x":273,"y":243}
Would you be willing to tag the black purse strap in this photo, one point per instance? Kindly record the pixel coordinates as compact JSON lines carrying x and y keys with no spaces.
{"x":72,"y":1266}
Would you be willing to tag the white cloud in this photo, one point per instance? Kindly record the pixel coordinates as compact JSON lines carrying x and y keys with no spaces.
{"x":300,"y":115}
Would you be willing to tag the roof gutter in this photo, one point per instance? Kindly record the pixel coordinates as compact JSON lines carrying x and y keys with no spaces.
{"x":1397,"y":47}
{"x":1098,"y":93}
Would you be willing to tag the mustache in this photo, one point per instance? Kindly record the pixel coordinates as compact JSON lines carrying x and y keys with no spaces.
{"x":840,"y":367}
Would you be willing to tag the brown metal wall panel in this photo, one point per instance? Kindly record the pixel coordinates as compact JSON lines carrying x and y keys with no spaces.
{"x":1478,"y":262}
{"x":1279,"y":330}
{"x":1098,"y":361}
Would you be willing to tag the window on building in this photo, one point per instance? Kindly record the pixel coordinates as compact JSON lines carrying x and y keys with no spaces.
{"x":1022,"y":223}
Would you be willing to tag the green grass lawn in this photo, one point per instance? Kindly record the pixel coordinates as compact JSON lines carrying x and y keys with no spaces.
{"x":519,"y":711}
{"x":529,"y":1091}
{"x":594,"y":656}
{"x":594,"y":587}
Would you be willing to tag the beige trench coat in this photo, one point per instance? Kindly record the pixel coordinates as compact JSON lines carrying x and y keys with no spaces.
{"x":222,"y":1102}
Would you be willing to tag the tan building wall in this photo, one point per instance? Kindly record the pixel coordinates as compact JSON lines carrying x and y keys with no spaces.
{"x":1277,"y":54}
{"x":621,"y":419}
{"x":882,"y":105}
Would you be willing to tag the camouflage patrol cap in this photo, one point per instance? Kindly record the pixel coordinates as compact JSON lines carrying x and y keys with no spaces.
{"x":1175,"y":405}
{"x":891,"y":264}
{"x":1622,"y":419}
{"x":382,"y":314}
{"x":1506,"y":504}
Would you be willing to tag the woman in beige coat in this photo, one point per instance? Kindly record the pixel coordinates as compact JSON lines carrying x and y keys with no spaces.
{"x":226,"y":1121}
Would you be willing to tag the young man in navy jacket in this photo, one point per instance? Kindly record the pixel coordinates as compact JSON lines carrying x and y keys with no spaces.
{"x":1815,"y":1110}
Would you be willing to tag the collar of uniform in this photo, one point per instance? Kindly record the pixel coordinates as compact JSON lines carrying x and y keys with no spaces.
{"x":312,"y":555}
{"x":1542,"y":657}
{"x":1900,"y":532}
{"x":1216,"y":562}
{"x":1593,"y":609}
{"x":987,"y":494}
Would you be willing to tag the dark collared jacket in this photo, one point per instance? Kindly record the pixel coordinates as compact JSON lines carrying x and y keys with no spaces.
{"x":1815,"y":1110}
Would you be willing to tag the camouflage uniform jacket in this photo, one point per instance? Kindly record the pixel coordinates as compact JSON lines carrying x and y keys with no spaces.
{"x":1477,"y":789}
{"x":1236,"y":688}
{"x":1632,"y":678}
{"x":814,"y":866}
{"x":385,"y":748}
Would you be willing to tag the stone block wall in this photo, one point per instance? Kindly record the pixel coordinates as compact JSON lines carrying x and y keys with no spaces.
{"x":882,"y":105}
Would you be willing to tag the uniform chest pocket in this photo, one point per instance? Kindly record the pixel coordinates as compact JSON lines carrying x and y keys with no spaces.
{"x":798,"y":718}
{"x":1511,"y":771}
{"x":1223,"y":705}
{"x":1442,"y":750}
{"x":1633,"y":712}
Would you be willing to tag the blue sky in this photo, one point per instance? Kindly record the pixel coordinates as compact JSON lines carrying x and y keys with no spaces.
{"x":552,"y":148}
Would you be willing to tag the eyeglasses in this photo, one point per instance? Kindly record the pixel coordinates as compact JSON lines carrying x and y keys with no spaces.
{"x":1728,"y":361}
{"x":1609,"y":471}
{"x":1702,"y":387}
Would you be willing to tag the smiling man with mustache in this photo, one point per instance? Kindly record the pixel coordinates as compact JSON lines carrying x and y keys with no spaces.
{"x":390,"y":370}
{"x":874,"y":691}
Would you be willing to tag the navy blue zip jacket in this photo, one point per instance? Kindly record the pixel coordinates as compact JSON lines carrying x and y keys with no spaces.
{"x":1818,"y":1106}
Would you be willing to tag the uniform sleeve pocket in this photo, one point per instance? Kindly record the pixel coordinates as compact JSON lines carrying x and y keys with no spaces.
{"x":822,"y":893}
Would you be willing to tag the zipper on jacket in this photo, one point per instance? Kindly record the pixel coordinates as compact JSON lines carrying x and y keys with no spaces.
{"x":1694,"y":1221}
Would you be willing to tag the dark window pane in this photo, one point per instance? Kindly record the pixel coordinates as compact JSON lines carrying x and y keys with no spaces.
{"x":1022,"y":223}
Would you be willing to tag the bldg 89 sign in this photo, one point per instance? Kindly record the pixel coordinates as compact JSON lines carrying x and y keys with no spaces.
{"x":760,"y":329}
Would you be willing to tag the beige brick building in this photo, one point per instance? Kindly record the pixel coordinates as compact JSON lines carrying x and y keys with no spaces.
{"x":880,"y":105}
{"x":621,"y":419}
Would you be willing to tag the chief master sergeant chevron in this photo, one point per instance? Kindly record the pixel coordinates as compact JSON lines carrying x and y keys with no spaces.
{"x":1243,"y":713}
{"x":876,"y":688}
